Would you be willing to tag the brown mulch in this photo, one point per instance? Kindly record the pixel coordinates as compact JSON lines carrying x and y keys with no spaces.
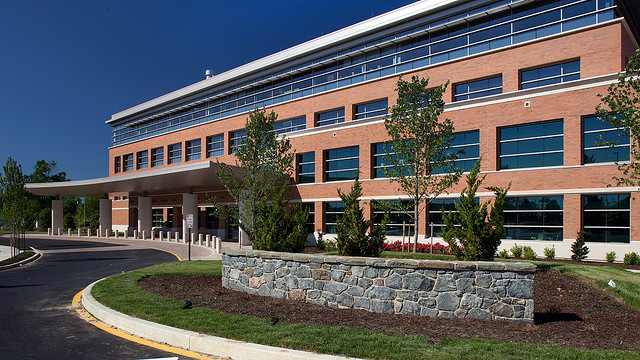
{"x":569,"y":312}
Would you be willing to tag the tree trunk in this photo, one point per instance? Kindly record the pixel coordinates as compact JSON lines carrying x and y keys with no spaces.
{"x":415,"y":223}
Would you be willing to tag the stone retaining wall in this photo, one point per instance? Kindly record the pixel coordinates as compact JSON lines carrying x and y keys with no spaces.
{"x":452,"y":289}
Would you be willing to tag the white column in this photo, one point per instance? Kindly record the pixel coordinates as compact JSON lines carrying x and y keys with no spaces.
{"x":105,"y":216}
{"x":56,"y":216}
{"x":145,"y":218}
{"x":189,"y":206}
{"x":208,"y":239}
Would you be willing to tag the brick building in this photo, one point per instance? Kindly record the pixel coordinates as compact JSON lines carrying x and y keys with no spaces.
{"x":524,"y":77}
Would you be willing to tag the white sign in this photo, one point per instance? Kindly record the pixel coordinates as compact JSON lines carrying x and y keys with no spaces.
{"x":189,"y":221}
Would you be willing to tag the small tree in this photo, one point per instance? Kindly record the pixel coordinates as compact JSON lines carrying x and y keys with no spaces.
{"x":479,"y":230}
{"x":279,"y":228}
{"x":620,"y":109}
{"x":352,"y":237}
{"x":264,"y":164}
{"x":16,"y":202}
{"x":420,"y":145}
{"x":578,"y":248}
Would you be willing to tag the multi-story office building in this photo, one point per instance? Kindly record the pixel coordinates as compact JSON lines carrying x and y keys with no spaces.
{"x":524,"y":77}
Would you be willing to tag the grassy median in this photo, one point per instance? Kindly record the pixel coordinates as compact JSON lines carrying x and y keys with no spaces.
{"x":121,"y":293}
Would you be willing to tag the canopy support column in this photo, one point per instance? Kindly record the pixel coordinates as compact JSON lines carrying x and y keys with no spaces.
{"x":145,"y":217}
{"x":105,"y":217}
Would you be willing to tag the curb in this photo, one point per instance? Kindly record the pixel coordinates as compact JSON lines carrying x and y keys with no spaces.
{"x":192,"y":341}
{"x":35,"y":257}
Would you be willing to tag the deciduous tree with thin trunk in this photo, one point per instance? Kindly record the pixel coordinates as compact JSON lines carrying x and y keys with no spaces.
{"x":420,"y":158}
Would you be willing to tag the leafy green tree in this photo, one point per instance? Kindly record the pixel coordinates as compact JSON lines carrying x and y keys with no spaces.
{"x":87,"y":213}
{"x":420,"y":160}
{"x":16,"y":202}
{"x":353,"y":238}
{"x":280,"y":226}
{"x":264,"y":165}
{"x":479,"y":230}
{"x":45,"y":172}
{"x":620,"y":108}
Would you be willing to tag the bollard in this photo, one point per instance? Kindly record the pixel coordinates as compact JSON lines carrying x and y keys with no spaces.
{"x":116,"y":234}
{"x":69,"y":232}
{"x":59,"y":231}
{"x":135,"y":234}
{"x":126,"y":234}
{"x":144,"y":234}
{"x":177,"y":236}
{"x":208,"y":240}
{"x":153,"y":235}
{"x":79,"y":231}
{"x":169,"y":236}
{"x":200,"y":239}
{"x":107,"y":233}
{"x":160,"y":235}
{"x":48,"y":231}
{"x":192,"y":239}
{"x":218,"y":245}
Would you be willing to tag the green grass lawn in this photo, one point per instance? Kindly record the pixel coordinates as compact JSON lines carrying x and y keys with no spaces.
{"x":121,"y":293}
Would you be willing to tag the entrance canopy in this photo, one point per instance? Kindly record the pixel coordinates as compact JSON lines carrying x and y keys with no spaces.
{"x":197,"y":176}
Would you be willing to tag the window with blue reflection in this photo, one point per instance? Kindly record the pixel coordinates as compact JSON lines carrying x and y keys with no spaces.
{"x":237,"y":139}
{"x":175,"y":153}
{"x":436,"y":208}
{"x":157,"y":157}
{"x":532,"y":145}
{"x":478,"y":88}
{"x":534,"y":218}
{"x":596,"y":134}
{"x":330,"y":117}
{"x":342,"y":164}
{"x":215,"y":145}
{"x":332,"y":211}
{"x":552,"y":74}
{"x":193,"y":149}
{"x":287,"y":126}
{"x":142,"y":159}
{"x":607,"y":217}
{"x":399,"y":221}
{"x":306,"y":168}
{"x":371,"y":109}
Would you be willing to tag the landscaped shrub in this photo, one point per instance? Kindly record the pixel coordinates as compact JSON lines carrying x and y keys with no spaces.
{"x":578,"y":248}
{"x":474,"y":232}
{"x":516,"y":250}
{"x":353,"y":238}
{"x":611,"y":256}
{"x":503,"y":253}
{"x":550,"y":253}
{"x":320,"y":244}
{"x":528,"y":253}
{"x":422,"y":248}
{"x":632,"y":258}
{"x":278,"y":228}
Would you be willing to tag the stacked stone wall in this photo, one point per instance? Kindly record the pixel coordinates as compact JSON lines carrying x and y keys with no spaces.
{"x":451,"y":289}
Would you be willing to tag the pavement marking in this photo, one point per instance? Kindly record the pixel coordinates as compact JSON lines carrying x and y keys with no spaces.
{"x":76,"y":303}
{"x":172,"y":253}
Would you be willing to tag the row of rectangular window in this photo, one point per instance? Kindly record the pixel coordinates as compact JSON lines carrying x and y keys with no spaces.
{"x":503,"y":29}
{"x":520,"y":146}
{"x":606,"y":217}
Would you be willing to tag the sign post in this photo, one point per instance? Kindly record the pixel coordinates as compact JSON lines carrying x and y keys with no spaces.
{"x":189,"y":226}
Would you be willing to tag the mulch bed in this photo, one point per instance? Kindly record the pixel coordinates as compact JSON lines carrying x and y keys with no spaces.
{"x":569,"y":312}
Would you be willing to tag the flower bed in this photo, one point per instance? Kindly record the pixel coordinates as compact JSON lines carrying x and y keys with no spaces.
{"x":422,"y":248}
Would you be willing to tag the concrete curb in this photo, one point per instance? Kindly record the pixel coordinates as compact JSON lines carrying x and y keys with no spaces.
{"x":189,"y":340}
{"x":35,"y":257}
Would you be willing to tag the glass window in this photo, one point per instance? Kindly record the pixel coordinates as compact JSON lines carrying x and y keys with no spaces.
{"x":330,"y":117}
{"x":286,"y":126}
{"x":142,"y":159}
{"x":552,"y":74}
{"x":193,"y":150}
{"x":380,"y":150}
{"x":127,"y":162}
{"x":436,"y":208}
{"x":215,"y":145}
{"x":478,"y":88}
{"x":307,"y":168}
{"x":309,"y":226}
{"x":157,"y":157}
{"x":237,"y":139}
{"x":397,"y":218}
{"x":532,"y":145}
{"x":342,"y":164}
{"x":371,"y":109}
{"x":157,"y":217}
{"x":594,"y":133}
{"x":467,"y":145}
{"x":534,"y":218}
{"x":332,"y":211}
{"x":607,"y":218}
{"x":116,"y":164}
{"x":175,"y":153}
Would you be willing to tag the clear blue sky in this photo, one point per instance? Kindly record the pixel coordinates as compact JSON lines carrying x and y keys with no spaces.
{"x":66,"y":66}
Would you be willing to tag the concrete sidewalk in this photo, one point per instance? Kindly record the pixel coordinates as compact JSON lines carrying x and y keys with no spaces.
{"x":198,"y":252}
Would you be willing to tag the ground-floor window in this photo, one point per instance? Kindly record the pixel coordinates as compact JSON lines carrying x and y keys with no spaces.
{"x":534,"y":218}
{"x":309,"y":227}
{"x":157,"y":217}
{"x":399,"y":216}
{"x":436,"y":208}
{"x":332,"y":211}
{"x":212,"y":221}
{"x":607,"y":218}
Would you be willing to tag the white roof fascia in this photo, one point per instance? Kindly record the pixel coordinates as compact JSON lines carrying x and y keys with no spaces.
{"x":361,"y":28}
